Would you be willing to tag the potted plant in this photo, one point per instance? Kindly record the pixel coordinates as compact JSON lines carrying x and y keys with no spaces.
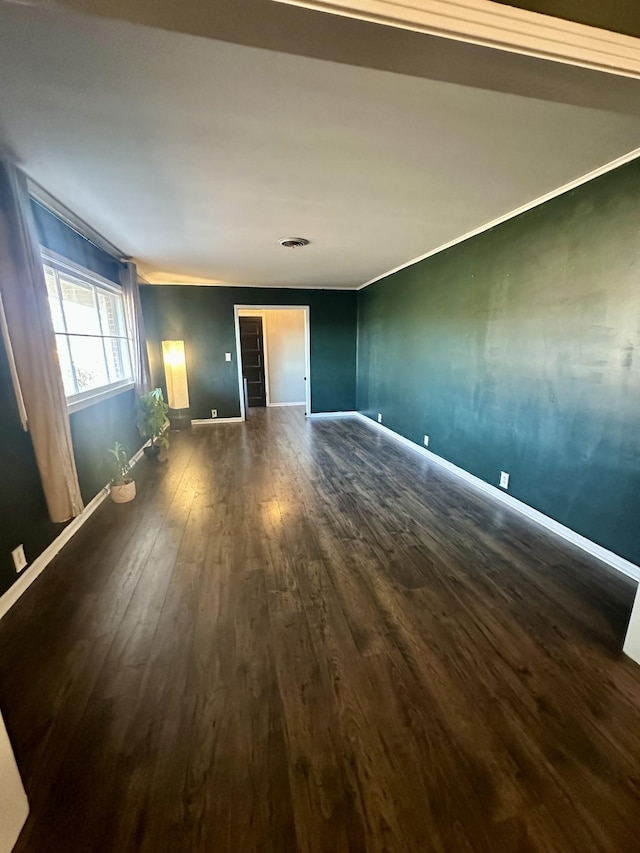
{"x":123,"y":486}
{"x":152,"y":422}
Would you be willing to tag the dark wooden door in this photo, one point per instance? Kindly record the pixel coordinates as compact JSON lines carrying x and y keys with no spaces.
{"x":252,"y":351}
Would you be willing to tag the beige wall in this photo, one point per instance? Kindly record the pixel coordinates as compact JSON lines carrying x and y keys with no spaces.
{"x":285,"y":355}
{"x":284,"y":343}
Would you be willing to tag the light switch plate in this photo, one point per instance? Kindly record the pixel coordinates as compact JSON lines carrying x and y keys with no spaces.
{"x":19,"y":559}
{"x":227,"y":356}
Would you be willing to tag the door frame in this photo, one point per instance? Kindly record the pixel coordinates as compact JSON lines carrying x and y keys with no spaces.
{"x":261,"y":310}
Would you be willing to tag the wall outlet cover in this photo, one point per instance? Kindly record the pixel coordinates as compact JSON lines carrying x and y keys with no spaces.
{"x":214,"y":413}
{"x":19,"y":559}
{"x":504,"y":480}
{"x":227,"y":356}
{"x":426,"y":441}
{"x":379,"y":418}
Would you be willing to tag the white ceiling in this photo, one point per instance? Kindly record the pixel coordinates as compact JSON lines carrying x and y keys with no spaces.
{"x":195,"y":155}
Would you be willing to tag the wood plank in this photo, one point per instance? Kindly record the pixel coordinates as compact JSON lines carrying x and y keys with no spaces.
{"x":301,"y":637}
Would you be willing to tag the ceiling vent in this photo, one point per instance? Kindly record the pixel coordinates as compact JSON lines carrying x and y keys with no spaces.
{"x":293,"y":242}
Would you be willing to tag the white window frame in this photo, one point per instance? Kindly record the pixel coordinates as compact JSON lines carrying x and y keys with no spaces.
{"x":94,"y":280}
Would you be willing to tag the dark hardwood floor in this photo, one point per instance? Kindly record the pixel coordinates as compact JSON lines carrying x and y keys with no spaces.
{"x":302,"y":637}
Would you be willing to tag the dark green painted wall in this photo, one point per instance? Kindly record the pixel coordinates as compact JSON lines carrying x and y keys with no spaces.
{"x":22,"y":504}
{"x":96,"y":428}
{"x":23,"y":510}
{"x":519,"y":350}
{"x":24,"y":513}
{"x":203,"y":317}
{"x":59,"y":237}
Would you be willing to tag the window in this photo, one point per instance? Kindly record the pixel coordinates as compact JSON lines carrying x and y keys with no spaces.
{"x":91,"y":335}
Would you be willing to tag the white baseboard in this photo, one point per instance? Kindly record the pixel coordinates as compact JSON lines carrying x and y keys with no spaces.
{"x":42,"y":560}
{"x":592,"y":548}
{"x":207,"y":421}
{"x":332,"y":414}
{"x":279,"y":405}
{"x":136,"y":456}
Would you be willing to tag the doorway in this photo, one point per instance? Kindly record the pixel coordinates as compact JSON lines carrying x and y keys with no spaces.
{"x":252,"y":361}
{"x":273,"y":342}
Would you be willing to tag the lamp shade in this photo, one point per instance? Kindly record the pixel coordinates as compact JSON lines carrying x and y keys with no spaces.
{"x":175,"y":371}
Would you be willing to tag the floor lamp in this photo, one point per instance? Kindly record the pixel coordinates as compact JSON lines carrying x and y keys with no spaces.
{"x":175,"y":372}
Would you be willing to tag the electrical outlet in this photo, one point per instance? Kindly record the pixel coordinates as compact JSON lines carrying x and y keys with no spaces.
{"x":214,"y":413}
{"x":426,"y":441}
{"x":504,"y":480}
{"x":379,"y":418}
{"x":19,"y":559}
{"x":227,"y":356}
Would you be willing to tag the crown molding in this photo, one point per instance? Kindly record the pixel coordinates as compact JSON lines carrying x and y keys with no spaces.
{"x":536,"y":202}
{"x":150,"y":282}
{"x":45,"y":199}
{"x":489,"y":24}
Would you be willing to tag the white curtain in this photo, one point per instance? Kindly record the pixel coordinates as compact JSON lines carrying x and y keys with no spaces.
{"x":30,"y":328}
{"x":135,"y":322}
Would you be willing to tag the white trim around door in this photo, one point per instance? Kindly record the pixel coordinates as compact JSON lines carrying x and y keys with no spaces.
{"x":261,"y":310}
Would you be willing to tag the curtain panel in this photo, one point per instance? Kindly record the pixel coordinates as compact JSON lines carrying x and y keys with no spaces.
{"x":135,"y":322}
{"x":32,"y":338}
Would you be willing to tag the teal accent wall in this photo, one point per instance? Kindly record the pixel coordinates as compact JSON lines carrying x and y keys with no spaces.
{"x":97,"y":428}
{"x":24,"y":513}
{"x":519,"y":350}
{"x":59,"y":237}
{"x":203,"y":317}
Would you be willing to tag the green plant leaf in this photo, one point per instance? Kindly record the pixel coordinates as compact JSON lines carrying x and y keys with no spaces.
{"x":151,"y":417}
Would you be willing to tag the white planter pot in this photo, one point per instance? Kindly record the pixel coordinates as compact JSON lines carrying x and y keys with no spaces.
{"x":124,"y":493}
